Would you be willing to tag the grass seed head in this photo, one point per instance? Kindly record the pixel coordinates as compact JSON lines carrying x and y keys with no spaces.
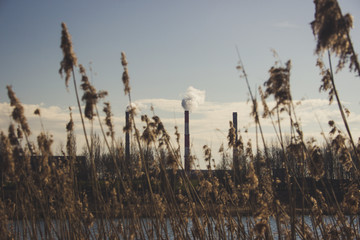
{"x":332,"y":29}
{"x":90,"y":96}
{"x":70,"y":59}
{"x":18,"y":111}
{"x":316,"y":163}
{"x":351,"y":199}
{"x":177,"y":134}
{"x":338,"y":143}
{"x":13,"y":99}
{"x":124,"y":62}
{"x":125,"y":76}
{"x":207,"y":155}
{"x":12,"y":136}
{"x":149,"y":134}
{"x":44,"y":142}
{"x":263,"y":101}
{"x":108,"y":119}
{"x":278,"y":84}
{"x":125,"y":79}
{"x":8,"y":164}
{"x":37,"y":112}
{"x":261,"y":229}
{"x":70,"y":141}
{"x":251,"y":177}
{"x":231,"y":135}
{"x":70,"y":124}
{"x":326,"y":83}
{"x":19,"y":133}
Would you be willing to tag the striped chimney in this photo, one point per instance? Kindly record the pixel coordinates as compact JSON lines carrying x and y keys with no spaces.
{"x":192,"y":98}
{"x":127,"y":138}
{"x":187,"y":143}
{"x":235,"y":150}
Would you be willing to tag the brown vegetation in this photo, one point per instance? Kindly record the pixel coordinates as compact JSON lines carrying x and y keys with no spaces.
{"x":283,"y":191}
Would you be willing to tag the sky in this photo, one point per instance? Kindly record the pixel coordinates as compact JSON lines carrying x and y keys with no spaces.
{"x":170,"y":46}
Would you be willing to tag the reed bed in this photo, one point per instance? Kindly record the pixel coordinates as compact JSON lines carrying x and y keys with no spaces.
{"x":286,"y":190}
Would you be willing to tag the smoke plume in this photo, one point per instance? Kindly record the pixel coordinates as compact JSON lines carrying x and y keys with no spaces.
{"x":192,"y":98}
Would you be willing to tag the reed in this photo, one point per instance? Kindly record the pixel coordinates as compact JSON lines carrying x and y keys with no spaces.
{"x":291,"y":188}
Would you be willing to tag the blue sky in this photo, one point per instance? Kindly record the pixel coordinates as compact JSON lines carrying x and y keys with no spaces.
{"x":170,"y":46}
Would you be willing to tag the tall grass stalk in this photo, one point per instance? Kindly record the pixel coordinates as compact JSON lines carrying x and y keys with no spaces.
{"x":148,"y":195}
{"x":343,"y":116}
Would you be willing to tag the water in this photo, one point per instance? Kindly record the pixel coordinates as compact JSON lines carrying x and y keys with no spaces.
{"x":147,"y":231}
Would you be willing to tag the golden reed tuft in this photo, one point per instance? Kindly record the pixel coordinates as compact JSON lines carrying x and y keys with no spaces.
{"x":12,"y":136}
{"x":37,"y":112}
{"x":108,"y":119}
{"x":231,"y":135}
{"x":332,"y":30}
{"x":70,"y":124}
{"x":8,"y":164}
{"x":125,"y":76}
{"x":90,"y":96}
{"x":70,"y":59}
{"x":18,"y":111}
{"x":278,"y":85}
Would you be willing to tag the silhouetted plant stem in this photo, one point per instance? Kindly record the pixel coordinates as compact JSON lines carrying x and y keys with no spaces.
{"x":110,"y":149}
{"x":80,"y":111}
{"x":343,"y":114}
{"x":257,"y":120}
{"x":95,"y":184}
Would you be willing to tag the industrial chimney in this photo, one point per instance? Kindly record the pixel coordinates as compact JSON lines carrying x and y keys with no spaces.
{"x":192,"y":98}
{"x":236,"y":160}
{"x":127,"y":137}
{"x":187,"y":143}
{"x":235,"y":150}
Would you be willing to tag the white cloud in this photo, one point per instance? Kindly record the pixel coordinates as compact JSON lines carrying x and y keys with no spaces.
{"x":209,"y":124}
{"x":286,"y":24}
{"x":161,"y":104}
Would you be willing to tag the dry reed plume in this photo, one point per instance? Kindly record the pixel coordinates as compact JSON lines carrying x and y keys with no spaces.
{"x":290,"y":189}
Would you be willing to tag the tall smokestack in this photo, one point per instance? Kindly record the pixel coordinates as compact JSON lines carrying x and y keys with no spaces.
{"x":192,"y":98}
{"x":235,"y":151}
{"x":127,"y":137}
{"x":187,"y":143}
{"x":236,"y":160}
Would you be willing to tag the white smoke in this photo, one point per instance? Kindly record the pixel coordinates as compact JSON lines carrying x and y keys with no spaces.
{"x":137,"y":106}
{"x":192,"y":98}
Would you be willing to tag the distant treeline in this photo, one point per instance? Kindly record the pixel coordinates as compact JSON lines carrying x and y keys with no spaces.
{"x":334,"y":179}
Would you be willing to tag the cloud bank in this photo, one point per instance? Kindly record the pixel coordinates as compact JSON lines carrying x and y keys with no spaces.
{"x":208,"y":125}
